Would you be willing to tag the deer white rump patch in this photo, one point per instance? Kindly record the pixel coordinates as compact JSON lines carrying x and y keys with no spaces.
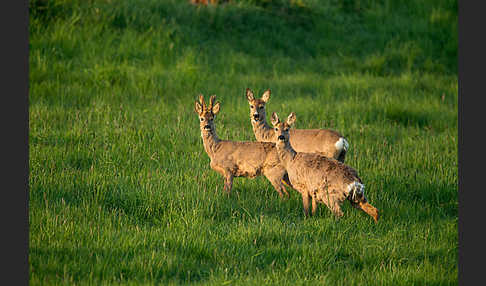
{"x":342,"y":144}
{"x":355,"y":188}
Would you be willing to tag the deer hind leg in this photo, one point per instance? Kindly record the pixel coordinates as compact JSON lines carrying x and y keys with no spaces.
{"x":305,"y":202}
{"x":359,"y":201}
{"x":336,"y":209}
{"x":367,"y":208}
{"x":334,"y":205}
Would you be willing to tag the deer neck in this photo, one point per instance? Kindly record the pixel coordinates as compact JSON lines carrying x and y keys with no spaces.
{"x":210,"y":142}
{"x":263,"y":132}
{"x":286,"y":153}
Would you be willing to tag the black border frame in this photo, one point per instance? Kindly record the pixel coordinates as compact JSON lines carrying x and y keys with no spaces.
{"x":14,"y":22}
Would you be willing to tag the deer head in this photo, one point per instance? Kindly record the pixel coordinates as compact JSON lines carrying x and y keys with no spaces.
{"x":257,"y":105}
{"x":281,"y":129}
{"x":206,"y":114}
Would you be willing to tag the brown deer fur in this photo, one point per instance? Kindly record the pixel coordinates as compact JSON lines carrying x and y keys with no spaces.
{"x":319,"y":178}
{"x":235,"y":158}
{"x":323,"y":141}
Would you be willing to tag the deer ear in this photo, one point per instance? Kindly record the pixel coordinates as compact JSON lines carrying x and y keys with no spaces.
{"x":249,"y":95}
{"x":291,"y":119}
{"x":215,"y":109}
{"x":266,"y":95}
{"x":275,"y":119}
{"x":198,"y":108}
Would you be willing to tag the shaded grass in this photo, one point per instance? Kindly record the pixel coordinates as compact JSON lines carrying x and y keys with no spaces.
{"x":120,"y":187}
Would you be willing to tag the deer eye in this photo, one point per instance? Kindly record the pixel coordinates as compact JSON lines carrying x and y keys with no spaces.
{"x":202,"y":119}
{"x":251,"y":106}
{"x":276,"y":129}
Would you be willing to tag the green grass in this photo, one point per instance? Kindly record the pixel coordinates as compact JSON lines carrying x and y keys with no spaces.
{"x":120,"y":186}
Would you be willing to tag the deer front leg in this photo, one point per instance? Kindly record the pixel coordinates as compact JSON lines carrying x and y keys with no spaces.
{"x":277,"y":185}
{"x":227,"y":176}
{"x":275,"y":176}
{"x":305,"y":201}
{"x":286,"y":181}
{"x":314,"y":204}
{"x":228,"y":182}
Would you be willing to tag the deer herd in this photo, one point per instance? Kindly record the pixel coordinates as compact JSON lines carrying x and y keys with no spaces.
{"x":310,"y":161}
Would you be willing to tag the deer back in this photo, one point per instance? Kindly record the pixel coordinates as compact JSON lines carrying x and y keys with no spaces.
{"x":314,"y":141}
{"x":314,"y":171}
{"x":248,"y":159}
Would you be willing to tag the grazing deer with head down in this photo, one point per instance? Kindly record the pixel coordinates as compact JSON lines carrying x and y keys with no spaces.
{"x":319,"y":178}
{"x":323,"y":141}
{"x":236,"y":158}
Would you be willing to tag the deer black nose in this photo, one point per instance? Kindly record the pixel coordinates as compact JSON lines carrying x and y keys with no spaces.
{"x":281,"y":137}
{"x":207,"y":127}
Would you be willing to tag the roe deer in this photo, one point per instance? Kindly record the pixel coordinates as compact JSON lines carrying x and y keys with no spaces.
{"x":322,"y":179}
{"x":236,"y":158}
{"x":323,"y":141}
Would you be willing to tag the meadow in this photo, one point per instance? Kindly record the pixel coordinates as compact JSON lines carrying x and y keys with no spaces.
{"x":120,"y":188}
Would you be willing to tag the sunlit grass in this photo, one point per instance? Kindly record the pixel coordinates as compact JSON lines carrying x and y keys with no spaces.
{"x":120,"y":186}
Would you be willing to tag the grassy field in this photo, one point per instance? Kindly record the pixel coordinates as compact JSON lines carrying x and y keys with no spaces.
{"x":120,"y":186}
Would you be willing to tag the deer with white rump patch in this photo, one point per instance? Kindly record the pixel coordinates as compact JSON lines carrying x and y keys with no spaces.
{"x":237,"y":158}
{"x":323,"y":141}
{"x":319,"y":178}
